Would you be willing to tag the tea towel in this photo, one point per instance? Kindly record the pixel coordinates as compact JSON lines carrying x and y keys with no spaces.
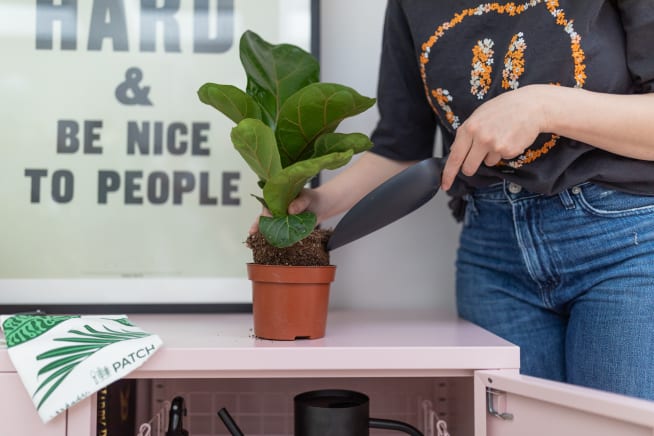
{"x":63,"y":359}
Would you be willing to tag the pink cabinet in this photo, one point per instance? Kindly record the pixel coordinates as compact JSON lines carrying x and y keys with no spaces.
{"x":402,"y":359}
{"x":18,"y":415}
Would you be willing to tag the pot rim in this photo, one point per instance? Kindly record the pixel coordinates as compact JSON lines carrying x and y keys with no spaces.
{"x":291,"y":274}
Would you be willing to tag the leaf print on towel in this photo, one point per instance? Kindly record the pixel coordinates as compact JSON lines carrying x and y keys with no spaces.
{"x":67,"y":358}
{"x":22,"y":328}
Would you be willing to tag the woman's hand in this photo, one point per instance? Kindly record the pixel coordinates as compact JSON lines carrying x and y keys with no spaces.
{"x":505,"y":126}
{"x":501,"y":128}
{"x":306,"y":200}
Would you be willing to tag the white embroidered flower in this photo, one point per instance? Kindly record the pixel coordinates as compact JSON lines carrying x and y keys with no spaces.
{"x":569,"y":28}
{"x":482,"y":61}
{"x":514,"y":62}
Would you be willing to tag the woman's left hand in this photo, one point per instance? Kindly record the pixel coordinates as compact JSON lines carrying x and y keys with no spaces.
{"x":501,"y":128}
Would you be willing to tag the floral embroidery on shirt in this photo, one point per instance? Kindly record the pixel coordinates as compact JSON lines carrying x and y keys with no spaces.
{"x":531,"y":155}
{"x":444,"y":98}
{"x":482,"y":67}
{"x":514,"y":62}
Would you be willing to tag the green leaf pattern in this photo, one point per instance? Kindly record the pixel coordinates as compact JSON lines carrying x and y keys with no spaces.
{"x":84,"y":343}
{"x":22,"y":328}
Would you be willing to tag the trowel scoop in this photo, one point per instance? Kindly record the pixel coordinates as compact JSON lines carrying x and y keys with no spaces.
{"x":395,"y":198}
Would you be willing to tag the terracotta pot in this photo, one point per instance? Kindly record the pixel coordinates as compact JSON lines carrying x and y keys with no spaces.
{"x":290,"y":302}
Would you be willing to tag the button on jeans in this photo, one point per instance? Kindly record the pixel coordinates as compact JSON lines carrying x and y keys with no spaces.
{"x":568,"y":278}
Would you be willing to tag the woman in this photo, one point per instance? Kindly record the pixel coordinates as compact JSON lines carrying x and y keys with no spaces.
{"x":548,"y":123}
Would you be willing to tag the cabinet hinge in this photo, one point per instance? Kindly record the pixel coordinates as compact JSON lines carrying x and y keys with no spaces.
{"x":490,"y":404}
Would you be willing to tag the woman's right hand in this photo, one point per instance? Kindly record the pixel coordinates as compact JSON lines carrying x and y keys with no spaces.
{"x":306,"y":200}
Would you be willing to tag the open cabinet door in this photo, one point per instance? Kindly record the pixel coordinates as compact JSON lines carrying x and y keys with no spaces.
{"x":510,"y":404}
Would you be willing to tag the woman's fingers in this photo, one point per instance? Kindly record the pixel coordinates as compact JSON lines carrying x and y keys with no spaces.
{"x":501,"y":128}
{"x":254,"y":228}
{"x":458,"y":153}
{"x":299,"y":205}
{"x":492,"y":159}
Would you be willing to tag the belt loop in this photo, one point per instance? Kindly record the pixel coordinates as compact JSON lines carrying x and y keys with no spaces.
{"x":566,"y":199}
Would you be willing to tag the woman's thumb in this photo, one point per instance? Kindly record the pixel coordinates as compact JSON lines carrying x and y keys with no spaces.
{"x":300,"y":204}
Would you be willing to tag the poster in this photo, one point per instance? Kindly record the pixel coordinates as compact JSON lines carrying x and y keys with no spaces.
{"x":117,"y":184}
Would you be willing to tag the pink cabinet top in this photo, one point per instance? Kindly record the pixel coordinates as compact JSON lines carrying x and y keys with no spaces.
{"x":356,"y":344}
{"x":370,"y":343}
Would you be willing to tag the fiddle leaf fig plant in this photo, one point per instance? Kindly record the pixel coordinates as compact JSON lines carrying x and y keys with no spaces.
{"x":285,"y":128}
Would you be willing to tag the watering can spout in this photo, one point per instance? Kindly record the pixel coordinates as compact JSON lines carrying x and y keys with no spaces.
{"x":229,"y":422}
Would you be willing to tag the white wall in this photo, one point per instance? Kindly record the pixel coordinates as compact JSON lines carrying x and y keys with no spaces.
{"x":410,"y":263}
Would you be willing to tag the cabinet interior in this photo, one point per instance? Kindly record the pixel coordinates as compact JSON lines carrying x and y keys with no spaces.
{"x":264,"y":406}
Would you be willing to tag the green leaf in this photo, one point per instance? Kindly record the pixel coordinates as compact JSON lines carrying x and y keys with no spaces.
{"x":58,"y":377}
{"x":109,"y":334}
{"x":260,"y":200}
{"x":64,"y":361}
{"x":63,"y":351}
{"x":229,"y":100}
{"x":275,"y":72}
{"x":285,"y":231}
{"x":281,"y":189}
{"x":124,"y":321}
{"x":257,"y":145}
{"x":335,"y":142}
{"x":99,"y":341}
{"x":311,"y":112}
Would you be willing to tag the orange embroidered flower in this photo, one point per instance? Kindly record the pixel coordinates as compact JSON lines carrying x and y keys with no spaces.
{"x":482,"y":68}
{"x":443,"y":98}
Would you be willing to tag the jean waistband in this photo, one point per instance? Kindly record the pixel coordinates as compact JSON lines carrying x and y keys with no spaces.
{"x":506,"y":191}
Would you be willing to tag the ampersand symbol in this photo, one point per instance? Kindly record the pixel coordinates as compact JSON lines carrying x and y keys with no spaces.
{"x":129,"y":92}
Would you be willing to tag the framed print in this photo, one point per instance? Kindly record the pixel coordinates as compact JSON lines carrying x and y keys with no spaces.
{"x":119,"y":189}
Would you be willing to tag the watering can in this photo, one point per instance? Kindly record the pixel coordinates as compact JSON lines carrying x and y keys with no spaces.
{"x":331,"y":412}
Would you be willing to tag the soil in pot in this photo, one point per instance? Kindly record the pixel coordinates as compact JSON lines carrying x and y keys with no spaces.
{"x":311,"y":251}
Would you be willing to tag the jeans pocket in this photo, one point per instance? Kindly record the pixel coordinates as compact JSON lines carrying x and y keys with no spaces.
{"x":607,"y":202}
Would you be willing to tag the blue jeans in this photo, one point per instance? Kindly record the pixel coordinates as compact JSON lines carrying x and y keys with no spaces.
{"x":568,"y":278}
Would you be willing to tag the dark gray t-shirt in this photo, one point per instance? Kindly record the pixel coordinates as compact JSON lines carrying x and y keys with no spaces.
{"x":442,"y":59}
